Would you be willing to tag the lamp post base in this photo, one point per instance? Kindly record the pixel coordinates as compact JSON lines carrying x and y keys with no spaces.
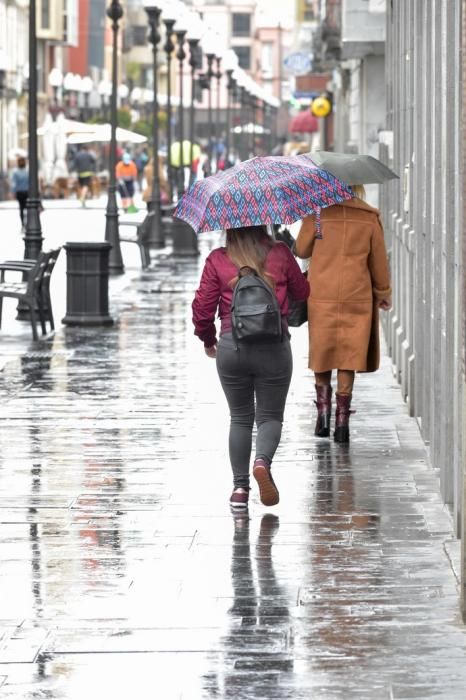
{"x":32,"y":245}
{"x":157,"y":234}
{"x":156,"y":226}
{"x":112,"y":236}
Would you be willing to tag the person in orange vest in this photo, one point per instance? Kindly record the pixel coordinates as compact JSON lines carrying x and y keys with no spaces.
{"x":126,"y":174}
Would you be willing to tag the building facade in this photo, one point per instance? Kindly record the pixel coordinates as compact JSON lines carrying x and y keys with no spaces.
{"x":13,"y":77}
{"x":397,"y":83}
{"x":423,"y":214}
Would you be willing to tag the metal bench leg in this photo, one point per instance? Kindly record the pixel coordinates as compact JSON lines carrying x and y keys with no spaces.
{"x":42,"y":317}
{"x":145,"y":256}
{"x":48,"y":308}
{"x":32,"y":313}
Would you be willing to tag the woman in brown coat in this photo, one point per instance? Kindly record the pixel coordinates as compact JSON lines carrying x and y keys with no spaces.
{"x":350,"y":281}
{"x":149,"y":175}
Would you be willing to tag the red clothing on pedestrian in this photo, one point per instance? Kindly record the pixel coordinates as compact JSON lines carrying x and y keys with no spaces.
{"x":215,"y":290}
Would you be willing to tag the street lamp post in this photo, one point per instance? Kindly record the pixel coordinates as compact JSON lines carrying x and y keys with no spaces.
{"x":156,"y":236}
{"x":209,"y":75}
{"x":267,"y":125}
{"x":231,"y":92}
{"x":115,"y":13}
{"x":218,"y":76}
{"x":230,"y":64}
{"x":243,"y":111}
{"x":181,"y":55}
{"x":252,"y":135}
{"x":263,"y":120}
{"x":193,"y":42}
{"x":169,"y":47}
{"x":33,"y":233}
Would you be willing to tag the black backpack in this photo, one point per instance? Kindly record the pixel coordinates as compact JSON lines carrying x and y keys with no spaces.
{"x":255,"y":311}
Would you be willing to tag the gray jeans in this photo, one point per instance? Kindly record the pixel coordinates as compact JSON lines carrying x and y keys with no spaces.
{"x":260,"y":371}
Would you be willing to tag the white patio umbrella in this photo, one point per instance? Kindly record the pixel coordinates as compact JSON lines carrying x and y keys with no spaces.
{"x":69,"y":126}
{"x":48,"y":149}
{"x":60,"y":169}
{"x":102,"y":133}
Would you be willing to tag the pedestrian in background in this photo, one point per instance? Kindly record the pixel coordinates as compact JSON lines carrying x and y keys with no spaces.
{"x":19,"y":184}
{"x":85,"y":165}
{"x":149,"y":177}
{"x":141,"y":160}
{"x":350,"y":282}
{"x":255,"y":376}
{"x":126,"y":174}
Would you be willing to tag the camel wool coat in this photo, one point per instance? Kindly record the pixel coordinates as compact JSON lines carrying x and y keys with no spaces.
{"x":349,"y":275}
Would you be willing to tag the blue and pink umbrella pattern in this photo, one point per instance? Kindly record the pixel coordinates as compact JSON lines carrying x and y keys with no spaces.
{"x":262,"y":190}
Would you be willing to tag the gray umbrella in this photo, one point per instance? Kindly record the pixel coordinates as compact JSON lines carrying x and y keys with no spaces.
{"x":352,"y":168}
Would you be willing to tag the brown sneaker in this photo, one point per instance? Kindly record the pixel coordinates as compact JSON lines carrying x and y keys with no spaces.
{"x":239,"y":498}
{"x":267,"y":490}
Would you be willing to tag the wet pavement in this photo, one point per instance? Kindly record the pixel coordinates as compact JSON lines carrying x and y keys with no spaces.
{"x":124,"y":574}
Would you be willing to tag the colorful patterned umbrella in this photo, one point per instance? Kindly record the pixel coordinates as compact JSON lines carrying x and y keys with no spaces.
{"x":263,"y":190}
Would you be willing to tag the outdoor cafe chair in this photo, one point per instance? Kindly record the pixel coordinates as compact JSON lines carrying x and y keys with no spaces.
{"x":26,"y":265}
{"x":35,"y":291}
{"x":141,"y":239}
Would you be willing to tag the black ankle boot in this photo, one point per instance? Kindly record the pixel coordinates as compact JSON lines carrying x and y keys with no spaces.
{"x":342,"y":416}
{"x":324,"y":410}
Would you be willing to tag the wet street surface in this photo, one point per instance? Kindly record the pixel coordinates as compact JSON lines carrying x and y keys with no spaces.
{"x":123,"y":573}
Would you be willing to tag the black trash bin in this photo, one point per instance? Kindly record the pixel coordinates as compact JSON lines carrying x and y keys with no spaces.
{"x":87,"y":284}
{"x":184,"y":239}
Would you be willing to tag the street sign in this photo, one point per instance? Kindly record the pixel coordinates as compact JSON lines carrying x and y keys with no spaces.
{"x":298,"y":63}
{"x":305,"y":95}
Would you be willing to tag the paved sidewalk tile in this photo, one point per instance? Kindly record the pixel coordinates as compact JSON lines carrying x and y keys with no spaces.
{"x":124,"y":574}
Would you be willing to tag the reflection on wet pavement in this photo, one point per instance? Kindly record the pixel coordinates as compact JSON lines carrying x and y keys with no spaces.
{"x":123,"y":573}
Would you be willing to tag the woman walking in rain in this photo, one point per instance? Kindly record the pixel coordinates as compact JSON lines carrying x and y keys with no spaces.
{"x":255,"y":376}
{"x":20,"y":186}
{"x":350,"y":282}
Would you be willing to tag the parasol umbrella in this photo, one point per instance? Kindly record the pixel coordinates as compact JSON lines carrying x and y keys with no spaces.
{"x":263,"y":190}
{"x":353,"y":168}
{"x":102,"y":133}
{"x":48,"y":149}
{"x":175,"y":160}
{"x":60,"y":168}
{"x":303,"y":123}
{"x":69,"y":126}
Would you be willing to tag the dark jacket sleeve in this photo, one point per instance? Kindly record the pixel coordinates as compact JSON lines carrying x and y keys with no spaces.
{"x":298,"y":286}
{"x":205,"y":304}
